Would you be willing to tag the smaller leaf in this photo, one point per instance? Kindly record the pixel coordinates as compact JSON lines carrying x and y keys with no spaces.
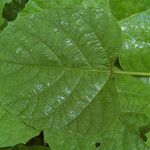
{"x":122,"y":9}
{"x":134,"y":55}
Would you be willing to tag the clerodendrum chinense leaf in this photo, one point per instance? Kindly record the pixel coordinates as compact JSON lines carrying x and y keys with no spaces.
{"x":136,"y":36}
{"x":56,"y":72}
{"x":54,"y":67}
{"x":134,"y":94}
{"x":122,"y":9}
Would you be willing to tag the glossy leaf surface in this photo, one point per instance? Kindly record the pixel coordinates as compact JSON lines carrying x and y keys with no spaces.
{"x":53,"y":70}
{"x":135,"y":54}
{"x":122,"y":9}
{"x":57,"y":76}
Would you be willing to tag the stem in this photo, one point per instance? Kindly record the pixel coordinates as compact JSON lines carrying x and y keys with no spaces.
{"x":146,"y":74}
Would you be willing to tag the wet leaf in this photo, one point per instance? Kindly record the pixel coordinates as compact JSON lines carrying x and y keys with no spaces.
{"x":122,"y":9}
{"x":55,"y":65}
{"x":135,"y":54}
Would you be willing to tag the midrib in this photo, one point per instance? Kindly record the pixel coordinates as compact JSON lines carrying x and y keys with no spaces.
{"x":143,"y":74}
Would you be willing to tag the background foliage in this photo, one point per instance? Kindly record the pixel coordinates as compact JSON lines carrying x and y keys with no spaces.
{"x":74,"y":75}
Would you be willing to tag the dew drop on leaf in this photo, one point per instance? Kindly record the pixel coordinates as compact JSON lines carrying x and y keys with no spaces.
{"x":68,"y":42}
{"x":19,"y":50}
{"x":55,"y":29}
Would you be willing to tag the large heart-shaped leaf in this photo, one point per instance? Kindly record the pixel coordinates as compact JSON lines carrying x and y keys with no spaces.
{"x":54,"y":67}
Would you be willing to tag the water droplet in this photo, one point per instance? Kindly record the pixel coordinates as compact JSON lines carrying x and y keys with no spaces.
{"x":98,"y":87}
{"x":126,"y":45}
{"x":47,"y":110}
{"x":48,"y":84}
{"x":64,"y":23}
{"x":99,"y":13}
{"x":55,"y":29}
{"x":19,"y":50}
{"x":123,"y":28}
{"x":136,"y":45}
{"x":68,"y":42}
{"x":67,"y":91}
{"x":142,"y":26}
{"x":60,"y":99}
{"x":39,"y":87}
{"x":80,"y":13}
{"x":72,"y":114}
{"x":86,"y":6}
{"x":88,"y":98}
{"x":87,"y":35}
{"x":11,"y":23}
{"x":133,"y":41}
{"x":102,"y":9}
{"x":34,"y":31}
{"x":23,"y":116}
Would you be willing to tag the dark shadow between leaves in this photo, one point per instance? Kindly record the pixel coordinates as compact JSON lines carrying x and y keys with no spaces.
{"x":11,"y":10}
{"x":117,"y":64}
{"x":143,"y":130}
{"x":97,"y":144}
{"x":37,"y":140}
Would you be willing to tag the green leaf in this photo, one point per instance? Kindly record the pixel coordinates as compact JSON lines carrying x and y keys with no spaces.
{"x":134,"y":55}
{"x":122,"y":9}
{"x":56,"y":76}
{"x":12,"y":131}
{"x":134,"y":121}
{"x":54,"y":66}
{"x":135,"y":112}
